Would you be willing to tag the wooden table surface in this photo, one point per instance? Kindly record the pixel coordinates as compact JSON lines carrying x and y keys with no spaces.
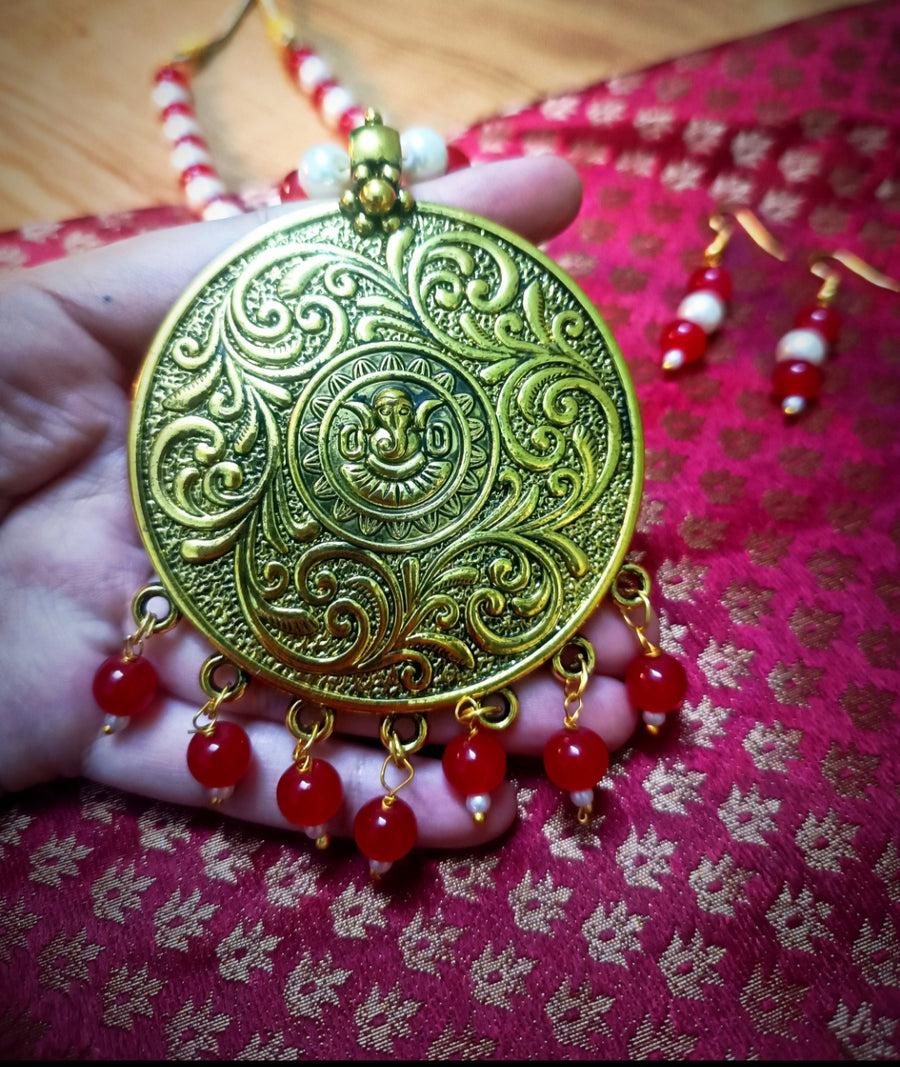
{"x":79,"y":135}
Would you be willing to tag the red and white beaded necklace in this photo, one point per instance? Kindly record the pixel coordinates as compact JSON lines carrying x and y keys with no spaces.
{"x":324,"y":170}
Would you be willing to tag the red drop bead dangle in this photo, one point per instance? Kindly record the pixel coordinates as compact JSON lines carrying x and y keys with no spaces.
{"x":655,"y":680}
{"x":576,"y":758}
{"x":310,"y":793}
{"x":219,"y":753}
{"x":385,"y":828}
{"x":475,"y":763}
{"x":218,"y":757}
{"x":125,"y":686}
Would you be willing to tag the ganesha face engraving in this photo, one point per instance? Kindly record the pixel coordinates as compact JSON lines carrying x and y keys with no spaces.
{"x":394,"y":449}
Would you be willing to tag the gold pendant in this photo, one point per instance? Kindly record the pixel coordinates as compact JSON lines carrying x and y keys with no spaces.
{"x":385,"y":456}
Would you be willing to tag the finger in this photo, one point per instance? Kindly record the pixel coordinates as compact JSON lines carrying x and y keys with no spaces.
{"x":148,"y":757}
{"x":121,"y":293}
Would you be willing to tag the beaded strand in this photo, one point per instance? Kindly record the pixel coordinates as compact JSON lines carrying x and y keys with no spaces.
{"x":323,"y":171}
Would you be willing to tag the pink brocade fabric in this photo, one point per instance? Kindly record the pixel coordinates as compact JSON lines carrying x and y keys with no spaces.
{"x":736,"y":894}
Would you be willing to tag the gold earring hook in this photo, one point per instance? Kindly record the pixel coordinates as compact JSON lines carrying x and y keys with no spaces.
{"x":751,"y":225}
{"x":832,"y":277}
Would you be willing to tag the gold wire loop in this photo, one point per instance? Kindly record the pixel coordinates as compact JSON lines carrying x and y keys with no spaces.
{"x":391,"y":739}
{"x":574,"y":675}
{"x":148,"y":622}
{"x":222,"y":693}
{"x":399,"y":750}
{"x":632,"y":585}
{"x":307,"y":735}
{"x":402,"y":764}
{"x":585,"y":659}
{"x":750,"y":224}
{"x":209,"y":711}
{"x":631,"y":591}
{"x":471,"y":712}
{"x":320,"y":730}
{"x":142,"y":614}
{"x":818,"y":264}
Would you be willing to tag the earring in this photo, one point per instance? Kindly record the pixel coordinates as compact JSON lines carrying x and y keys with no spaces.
{"x":702,"y":310}
{"x":801,"y":352}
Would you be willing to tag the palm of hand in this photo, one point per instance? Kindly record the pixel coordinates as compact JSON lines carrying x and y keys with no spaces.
{"x":71,"y":560}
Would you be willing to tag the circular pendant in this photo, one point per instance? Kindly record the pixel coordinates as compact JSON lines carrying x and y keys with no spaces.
{"x":385,"y":471}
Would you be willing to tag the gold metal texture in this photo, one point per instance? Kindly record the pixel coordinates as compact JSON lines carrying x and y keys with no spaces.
{"x":385,"y":472}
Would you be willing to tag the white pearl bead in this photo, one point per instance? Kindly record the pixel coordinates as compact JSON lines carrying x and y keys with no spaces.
{"x":582,"y":798}
{"x":218,"y":795}
{"x":673,"y":359}
{"x":424,"y":153}
{"x":177,"y":126}
{"x":200,"y":190}
{"x":808,"y":345}
{"x":170,"y":93}
{"x":334,"y":103}
{"x":324,"y":171}
{"x":112,"y":724}
{"x":703,"y":307}
{"x":654,"y":718}
{"x":315,"y":832}
{"x":187,"y":154}
{"x":220,"y":208}
{"x":793,"y":405}
{"x":478,"y":803}
{"x":379,"y":867}
{"x":312,"y":72}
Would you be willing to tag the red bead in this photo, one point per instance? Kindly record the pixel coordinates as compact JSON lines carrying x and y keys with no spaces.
{"x":474,"y":763}
{"x":310,"y":797}
{"x":290,"y":188}
{"x":456,"y":159}
{"x":716,"y":279}
{"x":125,"y":687}
{"x":176,"y":109}
{"x":655,"y":683}
{"x":196,"y":170}
{"x":351,"y":118}
{"x":320,"y":90}
{"x":220,"y":759}
{"x":576,"y":759}
{"x":686,"y":336}
{"x":824,"y":319}
{"x":171,"y":74}
{"x":382,"y":834}
{"x":796,"y":377}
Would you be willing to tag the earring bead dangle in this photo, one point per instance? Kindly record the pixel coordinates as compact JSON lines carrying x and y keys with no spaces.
{"x":801,"y":352}
{"x":655,"y":680}
{"x":575,"y":758}
{"x":219,"y":752}
{"x":703,"y":308}
{"x":474,"y":763}
{"x":310,"y":793}
{"x":126,"y":685}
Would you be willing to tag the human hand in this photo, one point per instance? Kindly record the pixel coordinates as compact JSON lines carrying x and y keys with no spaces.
{"x":74,"y":333}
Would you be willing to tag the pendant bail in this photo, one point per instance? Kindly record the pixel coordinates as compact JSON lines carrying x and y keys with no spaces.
{"x":376,"y":199}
